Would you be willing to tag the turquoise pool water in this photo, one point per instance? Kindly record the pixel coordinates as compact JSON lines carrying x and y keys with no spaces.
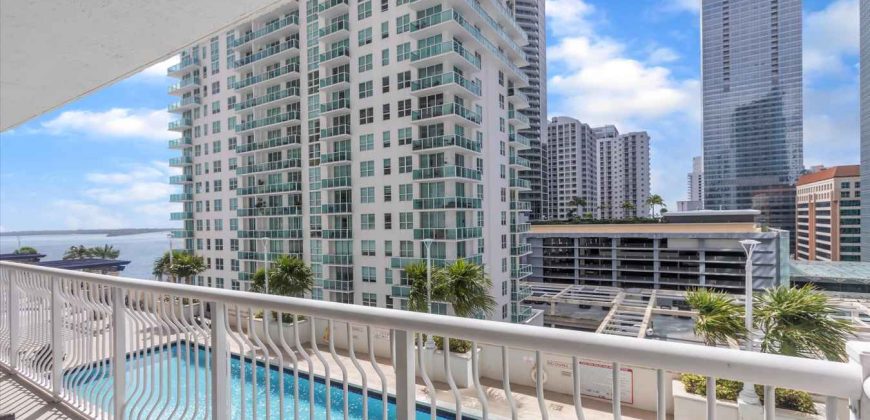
{"x":182,"y":365}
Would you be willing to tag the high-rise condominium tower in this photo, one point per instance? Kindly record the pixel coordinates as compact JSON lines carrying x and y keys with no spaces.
{"x":865,"y":130}
{"x":573,"y":167}
{"x":828,"y":215}
{"x":623,"y":173}
{"x":531,"y":17}
{"x":752,"y":104}
{"x":360,"y":138}
{"x":695,"y":187}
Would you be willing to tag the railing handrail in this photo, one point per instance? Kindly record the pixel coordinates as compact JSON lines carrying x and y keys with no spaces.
{"x":815,"y":376}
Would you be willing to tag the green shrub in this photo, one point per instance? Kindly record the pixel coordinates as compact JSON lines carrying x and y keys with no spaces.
{"x":456,"y":345}
{"x":728,"y":390}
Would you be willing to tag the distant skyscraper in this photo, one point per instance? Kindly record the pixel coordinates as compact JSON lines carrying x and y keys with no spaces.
{"x":865,"y":129}
{"x":573,"y":166}
{"x":828,"y":215}
{"x":695,"y":184}
{"x":530,"y":17}
{"x":623,"y":173}
{"x":753,"y":111}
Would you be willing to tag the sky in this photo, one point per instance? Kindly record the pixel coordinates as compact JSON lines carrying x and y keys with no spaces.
{"x":101,"y":161}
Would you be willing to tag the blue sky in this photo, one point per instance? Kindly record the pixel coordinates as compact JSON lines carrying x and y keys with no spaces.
{"x":101,"y":161}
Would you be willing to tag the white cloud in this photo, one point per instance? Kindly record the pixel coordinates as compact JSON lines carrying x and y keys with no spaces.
{"x":80,"y":215}
{"x":693,"y":6}
{"x":829,"y":35}
{"x":149,"y":124}
{"x":569,"y":17}
{"x":159,"y":69}
{"x":831,"y":126}
{"x":141,"y":184}
{"x":662,"y":55}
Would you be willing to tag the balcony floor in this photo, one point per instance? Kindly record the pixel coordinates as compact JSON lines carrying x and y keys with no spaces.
{"x":22,"y":402}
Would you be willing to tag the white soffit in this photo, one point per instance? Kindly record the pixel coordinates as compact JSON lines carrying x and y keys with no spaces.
{"x":55,"y":51}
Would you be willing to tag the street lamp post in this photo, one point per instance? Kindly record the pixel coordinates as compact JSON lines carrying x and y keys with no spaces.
{"x":169,"y":238}
{"x":430,"y":343}
{"x":748,"y":395}
{"x":265,"y":240}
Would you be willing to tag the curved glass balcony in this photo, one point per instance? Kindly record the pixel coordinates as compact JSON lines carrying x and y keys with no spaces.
{"x":272,"y":27}
{"x":446,"y":171}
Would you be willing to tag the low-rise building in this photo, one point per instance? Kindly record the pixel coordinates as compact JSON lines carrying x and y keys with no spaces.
{"x":687,"y":251}
{"x":829,"y":215}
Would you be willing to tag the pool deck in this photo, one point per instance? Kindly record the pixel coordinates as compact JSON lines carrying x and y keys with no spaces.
{"x":20,"y":399}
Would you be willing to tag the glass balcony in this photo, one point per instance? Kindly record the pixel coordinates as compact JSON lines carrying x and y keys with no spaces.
{"x":181,"y":215}
{"x":335,"y":157}
{"x":521,"y":205}
{"x":180,"y":198}
{"x":336,"y":208}
{"x":337,"y":233}
{"x":336,"y":106}
{"x":341,"y":53}
{"x":520,"y":227}
{"x":267,"y":52}
{"x":186,"y":84}
{"x":447,"y":203}
{"x":520,"y":161}
{"x":271,"y":234}
{"x":448,"y":233}
{"x":446,"y":79}
{"x":400,"y":291}
{"x":292,"y":92}
{"x":187,"y":62}
{"x":181,"y":125}
{"x":453,"y":140}
{"x":519,"y":141}
{"x":332,"y":8}
{"x":182,"y":234}
{"x":264,"y":122}
{"x":180,"y":179}
{"x":337,"y":259}
{"x":522,"y":314}
{"x":520,"y":183}
{"x":269,"y":211}
{"x":520,"y":250}
{"x":401,"y":262}
{"x":338,"y":285}
{"x":338,"y":131}
{"x":272,"y":27}
{"x":446,"y":171}
{"x":261,"y":256}
{"x":270,"y":188}
{"x":518,"y":117}
{"x":269,"y":75}
{"x":445,"y":110}
{"x":268,"y":144}
{"x":448,"y":47}
{"x":337,"y":182}
{"x":185,"y":104}
{"x":521,"y":272}
{"x":180,"y":161}
{"x":521,"y":293}
{"x":180,"y":143}
{"x":337,"y":80}
{"x":269,"y":166}
{"x":336,"y":28}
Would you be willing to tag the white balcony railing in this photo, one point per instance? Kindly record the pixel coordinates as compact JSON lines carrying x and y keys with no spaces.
{"x":179,"y":351}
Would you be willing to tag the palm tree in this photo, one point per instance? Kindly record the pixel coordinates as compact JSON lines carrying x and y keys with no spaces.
{"x":288,"y":276}
{"x":417,"y":298}
{"x":185,"y":266}
{"x":719,"y":318}
{"x":579,"y":203}
{"x":800,"y":322}
{"x":161,"y":265}
{"x":26,"y":250}
{"x":628,"y":207}
{"x":653,"y":201}
{"x":467,"y":287}
{"x":106,"y":252}
{"x":77,"y":253}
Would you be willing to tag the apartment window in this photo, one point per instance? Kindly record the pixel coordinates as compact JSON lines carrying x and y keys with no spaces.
{"x":404,"y":108}
{"x":365,"y":36}
{"x":363,"y":10}
{"x":218,"y":184}
{"x":403,"y":24}
{"x":216,"y":107}
{"x":403,"y":51}
{"x":234,"y":243}
{"x":406,"y":249}
{"x":216,"y":127}
{"x":388,"y":221}
{"x":388,"y":248}
{"x":405,"y":133}
{"x":366,"y":116}
{"x":369,"y":299}
{"x":385,"y":57}
{"x":386,"y":138}
{"x":406,"y":220}
{"x":366,"y":89}
{"x":215,"y":88}
{"x":405,"y":164}
{"x":369,"y":274}
{"x":388,"y":193}
{"x":218,"y":263}
{"x":406,"y":192}
{"x":386,"y":111}
{"x":368,"y":248}
{"x":403,"y":80}
{"x":385,"y":84}
{"x":388,"y":166}
{"x":385,"y":5}
{"x":367,"y":195}
{"x":367,"y":168}
{"x":385,"y":29}
{"x":366,"y":142}
{"x":365,"y":63}
{"x":368,"y":221}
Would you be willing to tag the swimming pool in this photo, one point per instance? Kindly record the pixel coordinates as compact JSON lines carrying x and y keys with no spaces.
{"x":168,"y":395}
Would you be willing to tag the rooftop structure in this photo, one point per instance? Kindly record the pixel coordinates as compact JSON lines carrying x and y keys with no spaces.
{"x":839,"y":276}
{"x":89,"y":265}
{"x":23,"y":258}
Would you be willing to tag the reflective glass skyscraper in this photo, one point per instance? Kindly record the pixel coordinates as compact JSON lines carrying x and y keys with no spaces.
{"x":865,"y":130}
{"x":752,"y":103}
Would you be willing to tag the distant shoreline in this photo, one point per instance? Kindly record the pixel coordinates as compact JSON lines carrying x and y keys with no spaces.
{"x":107,"y":232}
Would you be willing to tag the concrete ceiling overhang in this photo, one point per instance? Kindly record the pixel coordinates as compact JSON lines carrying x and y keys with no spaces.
{"x":55,"y":51}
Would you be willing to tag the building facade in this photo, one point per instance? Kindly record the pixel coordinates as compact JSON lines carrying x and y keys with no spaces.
{"x":351,"y":137}
{"x":829,"y":215}
{"x":752,"y":106}
{"x":573,"y":167}
{"x":623,"y":173}
{"x":865,"y":128}
{"x":676,"y":256}
{"x":531,"y":17}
